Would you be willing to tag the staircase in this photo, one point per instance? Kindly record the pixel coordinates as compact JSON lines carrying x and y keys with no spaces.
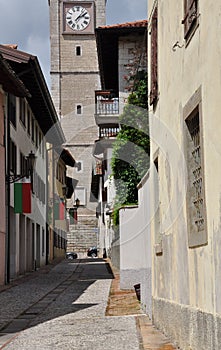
{"x":82,"y":236}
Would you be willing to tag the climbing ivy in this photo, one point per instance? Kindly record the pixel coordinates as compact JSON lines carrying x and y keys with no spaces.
{"x":130,"y":160}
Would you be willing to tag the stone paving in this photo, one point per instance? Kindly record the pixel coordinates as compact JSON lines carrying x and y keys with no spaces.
{"x":74,"y":305}
{"x":124,"y":302}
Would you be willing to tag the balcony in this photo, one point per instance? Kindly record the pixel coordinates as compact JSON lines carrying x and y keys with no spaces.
{"x":106,"y":107}
{"x":108,"y":132}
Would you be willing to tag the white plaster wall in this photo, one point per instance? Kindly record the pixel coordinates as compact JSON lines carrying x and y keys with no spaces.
{"x":135,"y":246}
{"x":25,"y":144}
{"x":2,"y":190}
{"x":183,"y":277}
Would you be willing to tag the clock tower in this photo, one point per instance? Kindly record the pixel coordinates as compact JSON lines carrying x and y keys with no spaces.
{"x":74,"y":79}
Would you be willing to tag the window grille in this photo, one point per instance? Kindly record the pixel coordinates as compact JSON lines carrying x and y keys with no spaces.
{"x":197,"y":178}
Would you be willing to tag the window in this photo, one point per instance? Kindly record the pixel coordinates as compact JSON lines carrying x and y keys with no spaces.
{"x":29,"y":121}
{"x":43,"y":242}
{"x":79,"y":109}
{"x":23,"y":164}
{"x":79,"y":166}
{"x":154,"y":58}
{"x":196,"y":211}
{"x":43,"y":147}
{"x":36,"y":136}
{"x":190,"y":20}
{"x":12,"y":109}
{"x":55,"y":239}
{"x":13,"y":157}
{"x":156,"y":205}
{"x":39,"y":188}
{"x":78,"y":50}
{"x":22,"y":111}
{"x":40,"y":141}
{"x":98,"y":170}
{"x":60,"y":173}
{"x":32,"y":129}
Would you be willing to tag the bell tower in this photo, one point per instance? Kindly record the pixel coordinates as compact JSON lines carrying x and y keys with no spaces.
{"x":74,"y":79}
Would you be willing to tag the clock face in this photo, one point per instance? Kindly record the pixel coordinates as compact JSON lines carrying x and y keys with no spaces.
{"x":78,"y":18}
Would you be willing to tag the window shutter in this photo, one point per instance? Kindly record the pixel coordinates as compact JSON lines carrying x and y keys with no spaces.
{"x":190,"y":15}
{"x":154,"y":59}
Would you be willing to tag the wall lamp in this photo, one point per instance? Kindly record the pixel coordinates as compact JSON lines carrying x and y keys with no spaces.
{"x":77,"y":203}
{"x":30,"y":164}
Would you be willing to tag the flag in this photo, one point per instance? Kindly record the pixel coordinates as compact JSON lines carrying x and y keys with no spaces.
{"x":56,"y":210}
{"x":59,"y":210}
{"x":22,"y":198}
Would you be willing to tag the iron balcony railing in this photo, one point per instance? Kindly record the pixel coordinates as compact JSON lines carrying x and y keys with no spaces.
{"x":106,"y":102}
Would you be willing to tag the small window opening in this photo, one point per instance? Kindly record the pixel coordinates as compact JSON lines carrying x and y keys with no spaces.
{"x":79,"y":109}
{"x":78,"y":50}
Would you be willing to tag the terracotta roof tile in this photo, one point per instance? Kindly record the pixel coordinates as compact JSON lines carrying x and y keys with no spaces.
{"x":141,"y":23}
{"x":11,"y":46}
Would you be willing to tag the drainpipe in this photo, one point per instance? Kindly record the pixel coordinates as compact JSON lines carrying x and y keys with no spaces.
{"x":47,"y":203}
{"x":53,"y":196}
{"x":59,"y":48}
{"x":8,"y":195}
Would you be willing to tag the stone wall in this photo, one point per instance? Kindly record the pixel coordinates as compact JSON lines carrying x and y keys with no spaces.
{"x":191,"y":327}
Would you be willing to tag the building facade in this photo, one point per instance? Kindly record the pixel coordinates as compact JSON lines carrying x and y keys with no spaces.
{"x":125,"y":45}
{"x":30,"y":121}
{"x":74,"y":78}
{"x":59,"y":191}
{"x":9,"y":84}
{"x":184,"y":96}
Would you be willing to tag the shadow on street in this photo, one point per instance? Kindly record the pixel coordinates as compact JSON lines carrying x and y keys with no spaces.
{"x":66,"y":298}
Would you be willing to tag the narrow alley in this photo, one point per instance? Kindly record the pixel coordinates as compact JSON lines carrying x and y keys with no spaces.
{"x":74,"y":305}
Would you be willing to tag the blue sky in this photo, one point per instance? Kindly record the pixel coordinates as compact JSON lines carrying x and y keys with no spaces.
{"x":26,"y":23}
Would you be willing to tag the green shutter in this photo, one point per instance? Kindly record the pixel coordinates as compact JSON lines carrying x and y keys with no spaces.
{"x":56,"y":210}
{"x":18,"y":198}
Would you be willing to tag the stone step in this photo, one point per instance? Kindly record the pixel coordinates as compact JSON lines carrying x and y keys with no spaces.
{"x":81,"y":237}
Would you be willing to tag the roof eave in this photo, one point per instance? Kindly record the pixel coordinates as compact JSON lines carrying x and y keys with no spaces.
{"x":67,"y":158}
{"x":37,"y":85}
{"x":10,"y":81}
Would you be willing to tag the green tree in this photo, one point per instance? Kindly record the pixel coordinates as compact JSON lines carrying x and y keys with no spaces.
{"x":130,"y":159}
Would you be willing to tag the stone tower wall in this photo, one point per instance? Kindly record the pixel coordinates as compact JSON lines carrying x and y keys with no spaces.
{"x":74,"y":80}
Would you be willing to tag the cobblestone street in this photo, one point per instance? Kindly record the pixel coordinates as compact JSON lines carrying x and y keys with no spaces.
{"x":75,"y":305}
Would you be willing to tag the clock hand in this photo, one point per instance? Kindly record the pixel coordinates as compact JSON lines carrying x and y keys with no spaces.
{"x":79,"y":16}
